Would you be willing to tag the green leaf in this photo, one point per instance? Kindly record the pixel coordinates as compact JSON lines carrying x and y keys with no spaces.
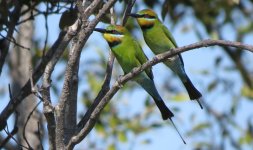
{"x":113,"y":122}
{"x":247,"y":92}
{"x":100,"y":129}
{"x":111,"y":147}
{"x":122,"y":136}
{"x":204,"y":72}
{"x":94,"y":82}
{"x":212,"y":85}
{"x":214,"y":35}
{"x":156,"y":125}
{"x":246,"y":139}
{"x":198,"y":128}
{"x":180,"y":97}
{"x":204,"y":145}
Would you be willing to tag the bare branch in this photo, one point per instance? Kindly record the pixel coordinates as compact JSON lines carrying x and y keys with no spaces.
{"x":14,"y":17}
{"x":10,"y":135}
{"x":104,"y":89}
{"x":222,"y":119}
{"x":233,"y":54}
{"x":13,"y":41}
{"x":46,"y":27}
{"x":28,"y":118}
{"x":105,"y":86}
{"x":39,"y":135}
{"x":128,"y":11}
{"x":48,"y":109}
{"x":158,"y":58}
{"x":83,"y":35}
{"x":60,"y":44}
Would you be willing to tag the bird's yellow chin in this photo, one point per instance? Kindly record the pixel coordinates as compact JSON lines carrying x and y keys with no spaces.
{"x":112,"y":37}
{"x":145,"y":21}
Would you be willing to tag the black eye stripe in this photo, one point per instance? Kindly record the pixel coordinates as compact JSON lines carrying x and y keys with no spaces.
{"x":148,"y":16}
{"x":114,"y":32}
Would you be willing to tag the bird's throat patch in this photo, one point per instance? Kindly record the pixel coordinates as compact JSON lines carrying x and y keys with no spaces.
{"x":113,"y":39}
{"x":145,"y":22}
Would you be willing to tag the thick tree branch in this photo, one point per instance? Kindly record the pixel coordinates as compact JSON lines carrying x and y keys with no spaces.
{"x":48,"y":109}
{"x":60,"y":43}
{"x":66,"y":112}
{"x":158,"y":58}
{"x":106,"y":84}
{"x":104,"y":89}
{"x":14,"y":17}
{"x":83,"y":35}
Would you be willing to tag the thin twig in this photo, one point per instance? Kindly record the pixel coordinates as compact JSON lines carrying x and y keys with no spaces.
{"x":128,"y":11}
{"x":238,"y":63}
{"x":12,"y":136}
{"x":46,"y":27}
{"x":12,"y":40}
{"x":28,"y":118}
{"x":221,"y":120}
{"x":10,"y":93}
{"x":29,"y":18}
{"x":105,"y":86}
{"x":9,"y":136}
{"x":39,"y":135}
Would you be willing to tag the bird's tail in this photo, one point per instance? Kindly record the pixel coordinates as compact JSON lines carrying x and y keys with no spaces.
{"x":193,"y":93}
{"x":149,"y":87}
{"x":177,"y":66}
{"x":165,"y":111}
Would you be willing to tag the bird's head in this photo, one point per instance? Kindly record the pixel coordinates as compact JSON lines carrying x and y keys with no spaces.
{"x":113,"y":33}
{"x":145,"y":17}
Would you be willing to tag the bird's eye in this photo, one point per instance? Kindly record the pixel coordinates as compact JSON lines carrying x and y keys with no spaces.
{"x":148,"y":16}
{"x":111,"y":31}
{"x":114,"y":32}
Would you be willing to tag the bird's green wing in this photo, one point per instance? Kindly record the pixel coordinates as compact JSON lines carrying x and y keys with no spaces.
{"x":170,"y":36}
{"x":142,"y":58}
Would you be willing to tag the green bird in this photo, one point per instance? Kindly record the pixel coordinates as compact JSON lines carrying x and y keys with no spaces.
{"x":159,"y":39}
{"x":129,"y":55}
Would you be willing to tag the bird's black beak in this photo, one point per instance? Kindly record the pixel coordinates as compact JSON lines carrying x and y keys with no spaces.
{"x":100,"y":30}
{"x":135,"y":15}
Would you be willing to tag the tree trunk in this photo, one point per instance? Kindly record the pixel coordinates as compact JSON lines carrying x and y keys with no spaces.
{"x":21,"y":61}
